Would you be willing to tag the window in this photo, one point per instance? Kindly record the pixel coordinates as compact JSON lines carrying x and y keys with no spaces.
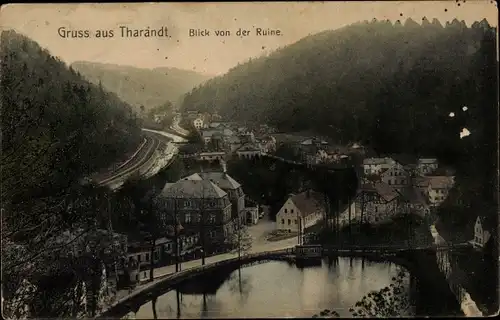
{"x":390,"y":182}
{"x":286,"y":210}
{"x":187,"y":217}
{"x":147,"y":256}
{"x":295,"y":221}
{"x":282,"y":221}
{"x":211,"y":218}
{"x":212,"y":204}
{"x":289,"y":222}
{"x":291,"y":210}
{"x":212,"y":234}
{"x":130,"y":259}
{"x":139,"y":257}
{"x":187,"y":203}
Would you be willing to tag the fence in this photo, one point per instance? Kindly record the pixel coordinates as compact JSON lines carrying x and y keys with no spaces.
{"x":185,"y":274}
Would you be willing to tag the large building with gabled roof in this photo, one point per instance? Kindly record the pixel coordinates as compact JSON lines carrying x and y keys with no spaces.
{"x":198,"y":205}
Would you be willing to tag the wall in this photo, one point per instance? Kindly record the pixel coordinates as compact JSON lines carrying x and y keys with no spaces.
{"x":291,"y":215}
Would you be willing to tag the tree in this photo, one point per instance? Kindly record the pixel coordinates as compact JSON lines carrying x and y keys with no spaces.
{"x":389,"y":302}
{"x":240,"y":239}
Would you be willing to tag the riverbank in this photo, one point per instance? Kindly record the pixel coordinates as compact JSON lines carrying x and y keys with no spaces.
{"x":448,"y":266}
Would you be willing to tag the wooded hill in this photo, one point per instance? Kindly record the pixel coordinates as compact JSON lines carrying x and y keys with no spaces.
{"x":391,"y":86}
{"x":147,"y":87}
{"x":56,"y":127}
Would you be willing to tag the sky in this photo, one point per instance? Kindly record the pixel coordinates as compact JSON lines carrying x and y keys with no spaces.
{"x":209,"y":54}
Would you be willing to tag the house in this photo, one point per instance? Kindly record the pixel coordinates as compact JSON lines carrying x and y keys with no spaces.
{"x":376,"y":202}
{"x":249,"y":151}
{"x":267,"y":143}
{"x":211,"y":156}
{"x":159,"y":117}
{"x":140,"y":251}
{"x":214,"y":124}
{"x":377,"y":165}
{"x":230,"y":186}
{"x":314,"y":142}
{"x":396,"y":176}
{"x":206,"y":134}
{"x":300,"y":211}
{"x":234,"y":143}
{"x":198,"y":123}
{"x":251,"y":215}
{"x":215,"y":117}
{"x":438,"y":188}
{"x":481,"y":235}
{"x":414,"y":201}
{"x":422,"y":184}
{"x":426,"y":165}
{"x":198,"y":205}
{"x":192,"y":115}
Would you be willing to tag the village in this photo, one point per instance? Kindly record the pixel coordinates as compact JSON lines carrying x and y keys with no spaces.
{"x":214,"y":215}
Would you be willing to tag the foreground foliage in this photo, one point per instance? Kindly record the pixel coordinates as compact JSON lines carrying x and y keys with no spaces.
{"x":57,"y":129}
{"x":389,"y":302}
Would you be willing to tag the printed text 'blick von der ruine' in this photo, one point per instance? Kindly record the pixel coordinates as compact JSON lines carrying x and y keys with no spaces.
{"x":162,"y":32}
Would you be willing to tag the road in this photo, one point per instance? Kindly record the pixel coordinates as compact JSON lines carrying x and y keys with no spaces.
{"x":174,"y":137}
{"x":176,"y":128}
{"x":258,"y":233}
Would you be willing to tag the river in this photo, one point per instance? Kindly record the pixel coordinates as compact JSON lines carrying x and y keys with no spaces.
{"x":275,"y":289}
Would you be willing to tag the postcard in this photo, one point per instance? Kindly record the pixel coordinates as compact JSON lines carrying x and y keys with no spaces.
{"x":249,"y":159}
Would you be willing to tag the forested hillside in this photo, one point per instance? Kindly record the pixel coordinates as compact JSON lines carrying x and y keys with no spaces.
{"x":56,"y":129}
{"x":141,"y":87}
{"x":389,"y":85}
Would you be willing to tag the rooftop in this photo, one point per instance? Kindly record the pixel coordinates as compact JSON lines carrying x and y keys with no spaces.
{"x":440,"y":182}
{"x":197,"y":189}
{"x":375,"y":161}
{"x":248,"y":147}
{"x":313,"y":141}
{"x":384,"y":190}
{"x":413,"y":196}
{"x":221,"y":179}
{"x":427,"y":160}
{"x":308,"y":202}
{"x":421,"y":182}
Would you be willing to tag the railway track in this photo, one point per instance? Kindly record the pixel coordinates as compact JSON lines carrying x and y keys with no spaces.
{"x":147,"y":151}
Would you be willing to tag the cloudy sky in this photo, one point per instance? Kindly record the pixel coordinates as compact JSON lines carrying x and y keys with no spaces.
{"x":212,"y":55}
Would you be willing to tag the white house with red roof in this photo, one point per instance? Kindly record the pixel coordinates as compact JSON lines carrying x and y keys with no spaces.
{"x":300,"y":211}
{"x":438,"y":188}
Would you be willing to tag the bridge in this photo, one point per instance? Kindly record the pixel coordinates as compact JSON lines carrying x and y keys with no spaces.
{"x":144,"y":293}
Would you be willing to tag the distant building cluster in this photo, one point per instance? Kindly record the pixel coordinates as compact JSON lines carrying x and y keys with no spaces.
{"x":421,"y":181}
{"x":229,"y":139}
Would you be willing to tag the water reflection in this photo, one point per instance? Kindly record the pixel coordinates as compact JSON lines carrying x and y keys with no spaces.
{"x":276,"y":289}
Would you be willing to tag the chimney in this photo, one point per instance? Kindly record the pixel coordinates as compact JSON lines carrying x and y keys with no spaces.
{"x":223,"y":165}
